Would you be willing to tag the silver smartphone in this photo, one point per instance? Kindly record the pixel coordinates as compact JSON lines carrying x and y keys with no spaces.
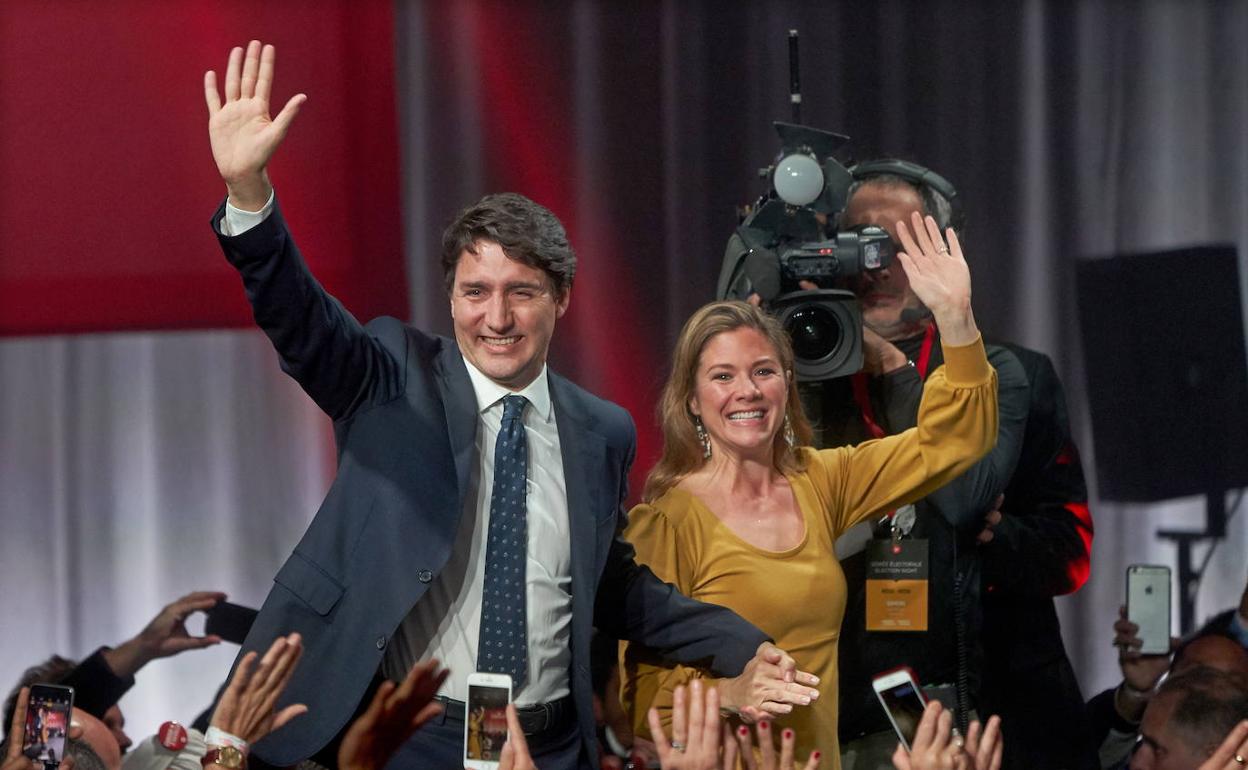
{"x":1148,"y":606}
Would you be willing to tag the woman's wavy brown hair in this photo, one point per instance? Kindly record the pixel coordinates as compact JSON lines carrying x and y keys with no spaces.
{"x":682,"y":452}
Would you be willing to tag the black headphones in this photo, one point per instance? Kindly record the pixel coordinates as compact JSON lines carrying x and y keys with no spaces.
{"x":920,"y":177}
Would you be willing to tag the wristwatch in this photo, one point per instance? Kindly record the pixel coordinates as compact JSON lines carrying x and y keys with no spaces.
{"x":225,"y":756}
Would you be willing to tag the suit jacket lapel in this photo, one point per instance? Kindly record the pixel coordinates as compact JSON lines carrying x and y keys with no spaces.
{"x":583,"y":452}
{"x":460,"y":403}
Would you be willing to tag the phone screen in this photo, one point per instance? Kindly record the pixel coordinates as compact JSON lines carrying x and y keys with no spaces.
{"x":47,"y":722}
{"x":486,"y":717}
{"x":905,"y":706}
{"x":1148,"y":606}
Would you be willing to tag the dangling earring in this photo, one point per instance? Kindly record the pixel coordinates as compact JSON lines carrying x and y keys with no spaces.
{"x":789,"y":437}
{"x":702,"y":437}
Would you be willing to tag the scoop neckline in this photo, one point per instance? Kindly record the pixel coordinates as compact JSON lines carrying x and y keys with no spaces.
{"x":718,"y":522}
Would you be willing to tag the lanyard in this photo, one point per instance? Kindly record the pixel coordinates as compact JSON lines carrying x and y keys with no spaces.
{"x":863,"y":398}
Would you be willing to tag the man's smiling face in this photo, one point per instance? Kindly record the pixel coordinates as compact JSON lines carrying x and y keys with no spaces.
{"x":504,"y":313}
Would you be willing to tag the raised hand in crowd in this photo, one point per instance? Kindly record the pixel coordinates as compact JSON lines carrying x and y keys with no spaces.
{"x":164,"y":636}
{"x":937,"y":747}
{"x":696,"y":729}
{"x":767,"y":758}
{"x":984,"y":744}
{"x":395,"y":712}
{"x":515,"y":754}
{"x":242,"y":134}
{"x":770,"y":684}
{"x":1228,"y":756}
{"x":14,"y":759}
{"x":247,"y":707}
{"x":1140,"y":673}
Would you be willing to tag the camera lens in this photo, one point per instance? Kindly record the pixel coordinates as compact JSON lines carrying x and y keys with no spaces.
{"x":815,"y":330}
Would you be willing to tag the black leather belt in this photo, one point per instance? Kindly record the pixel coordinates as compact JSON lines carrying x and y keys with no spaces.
{"x":541,"y":723}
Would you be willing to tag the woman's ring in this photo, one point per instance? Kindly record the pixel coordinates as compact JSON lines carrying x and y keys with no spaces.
{"x":678,"y":745}
{"x":1239,"y":758}
{"x":943,"y":250}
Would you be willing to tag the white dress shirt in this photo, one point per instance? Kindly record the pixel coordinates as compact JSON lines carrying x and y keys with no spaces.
{"x":445,"y":623}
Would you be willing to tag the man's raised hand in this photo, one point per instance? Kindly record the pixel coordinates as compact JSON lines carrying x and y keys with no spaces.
{"x":243,"y":135}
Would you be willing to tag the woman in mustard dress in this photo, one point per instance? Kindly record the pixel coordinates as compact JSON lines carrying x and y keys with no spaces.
{"x":741,"y":512}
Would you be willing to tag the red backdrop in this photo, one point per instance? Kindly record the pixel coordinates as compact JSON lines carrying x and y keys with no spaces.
{"x":107,"y":181}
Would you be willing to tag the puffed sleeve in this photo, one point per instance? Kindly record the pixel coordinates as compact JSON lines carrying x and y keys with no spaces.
{"x":645,"y":679}
{"x":957,"y":425}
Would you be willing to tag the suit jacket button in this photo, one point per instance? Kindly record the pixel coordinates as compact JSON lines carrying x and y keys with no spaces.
{"x":424,"y":575}
{"x":381,"y":642}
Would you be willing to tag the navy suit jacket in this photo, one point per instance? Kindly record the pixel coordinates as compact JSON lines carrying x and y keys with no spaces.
{"x":405,"y":421}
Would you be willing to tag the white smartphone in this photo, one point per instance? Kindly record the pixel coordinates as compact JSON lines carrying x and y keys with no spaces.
{"x":902,"y":699}
{"x":1148,"y":606}
{"x":485,"y":720}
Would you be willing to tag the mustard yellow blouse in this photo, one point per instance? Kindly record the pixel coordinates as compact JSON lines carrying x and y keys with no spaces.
{"x":798,"y":596}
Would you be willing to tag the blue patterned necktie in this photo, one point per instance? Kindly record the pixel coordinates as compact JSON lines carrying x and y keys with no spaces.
{"x":503,"y":647}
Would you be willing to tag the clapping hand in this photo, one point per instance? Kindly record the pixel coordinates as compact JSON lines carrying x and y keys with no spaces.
{"x":247,"y":708}
{"x":937,"y":747}
{"x":769,"y":685}
{"x":395,"y":712}
{"x":767,"y":757}
{"x":696,"y":729}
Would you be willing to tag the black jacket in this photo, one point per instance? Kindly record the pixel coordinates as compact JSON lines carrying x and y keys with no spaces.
{"x":1042,"y":549}
{"x":949,"y":520}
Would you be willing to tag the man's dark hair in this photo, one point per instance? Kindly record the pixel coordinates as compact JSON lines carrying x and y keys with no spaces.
{"x":1218,"y":625}
{"x":934,"y":202}
{"x":1208,"y":704}
{"x":527,"y":232}
{"x":51,"y":671}
{"x":85,"y":757}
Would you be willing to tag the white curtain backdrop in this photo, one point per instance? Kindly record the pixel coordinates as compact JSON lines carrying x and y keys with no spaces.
{"x":137,"y":467}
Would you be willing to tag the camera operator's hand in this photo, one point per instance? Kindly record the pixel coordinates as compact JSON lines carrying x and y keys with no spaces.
{"x":939,"y":277}
{"x":242,"y":134}
{"x":164,"y":636}
{"x":879,"y":356}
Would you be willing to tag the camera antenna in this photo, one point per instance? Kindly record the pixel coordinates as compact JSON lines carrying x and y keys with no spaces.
{"x":795,"y":78}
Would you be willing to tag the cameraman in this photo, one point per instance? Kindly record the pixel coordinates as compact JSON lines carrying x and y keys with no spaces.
{"x":999,"y":651}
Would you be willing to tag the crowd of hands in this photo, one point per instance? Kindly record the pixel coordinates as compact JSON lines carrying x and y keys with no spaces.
{"x":700,"y":737}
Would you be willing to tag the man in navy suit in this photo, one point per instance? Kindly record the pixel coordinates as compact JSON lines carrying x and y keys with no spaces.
{"x":398,"y":563}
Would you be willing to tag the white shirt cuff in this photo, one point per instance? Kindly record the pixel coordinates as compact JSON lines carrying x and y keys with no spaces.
{"x":236,"y":221}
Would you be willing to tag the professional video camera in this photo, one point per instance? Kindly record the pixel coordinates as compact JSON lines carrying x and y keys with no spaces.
{"x":789,"y":236}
